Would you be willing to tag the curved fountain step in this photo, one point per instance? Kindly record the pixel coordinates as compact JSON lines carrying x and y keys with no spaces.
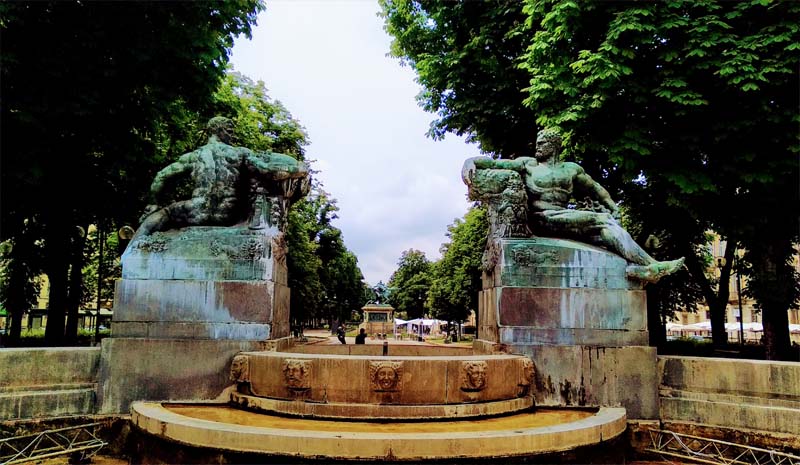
{"x":228,"y":429}
{"x":343,"y":411}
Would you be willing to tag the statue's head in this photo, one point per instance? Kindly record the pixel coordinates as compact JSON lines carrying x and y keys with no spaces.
{"x":548,"y":144}
{"x":222,"y":128}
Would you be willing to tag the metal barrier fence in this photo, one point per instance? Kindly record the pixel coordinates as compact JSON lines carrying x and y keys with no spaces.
{"x":78,"y":442}
{"x":714,"y":451}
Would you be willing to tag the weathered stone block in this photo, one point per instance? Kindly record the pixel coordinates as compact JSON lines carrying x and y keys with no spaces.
{"x":164,"y":369}
{"x":596,"y":376}
{"x":200,"y":309}
{"x":758,"y":395}
{"x":207,"y":253}
{"x":47,"y":382}
{"x":48,"y":366}
{"x":555,"y":291}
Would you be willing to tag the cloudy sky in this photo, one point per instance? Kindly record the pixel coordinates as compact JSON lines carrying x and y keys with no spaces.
{"x":396,"y":189}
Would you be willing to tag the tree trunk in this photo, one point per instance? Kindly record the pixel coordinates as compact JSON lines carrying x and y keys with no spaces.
{"x":773,"y":283}
{"x":75,"y":290}
{"x":776,"y":333}
{"x":655,"y":325}
{"x":717,"y":301}
{"x":15,"y":332}
{"x":718,"y":334}
{"x":56,"y":245}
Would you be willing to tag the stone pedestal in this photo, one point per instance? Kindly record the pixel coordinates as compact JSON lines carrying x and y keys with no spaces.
{"x":570,"y":307}
{"x":189,"y":299}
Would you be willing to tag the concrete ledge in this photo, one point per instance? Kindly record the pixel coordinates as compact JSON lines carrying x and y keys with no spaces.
{"x":380,"y":411}
{"x":761,"y":396}
{"x":524,"y":335}
{"x":754,"y":378}
{"x":394,"y":349}
{"x":739,"y":434}
{"x":193,"y":330}
{"x":515,"y":436}
{"x":48,"y":382}
{"x":48,"y":366}
{"x":44,"y":403}
{"x":733,"y":415}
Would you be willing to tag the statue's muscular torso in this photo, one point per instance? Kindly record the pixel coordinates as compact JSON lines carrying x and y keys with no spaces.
{"x":549,"y":187}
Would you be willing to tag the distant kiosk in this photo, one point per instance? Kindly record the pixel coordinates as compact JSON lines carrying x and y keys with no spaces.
{"x":378,"y":319}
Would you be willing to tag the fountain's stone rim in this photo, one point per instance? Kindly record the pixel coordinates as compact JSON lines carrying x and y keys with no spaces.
{"x":154,"y":418}
{"x":362,"y":411}
{"x":311,"y":355}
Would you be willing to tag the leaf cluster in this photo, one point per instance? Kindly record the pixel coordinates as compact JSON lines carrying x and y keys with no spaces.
{"x":324,"y":276}
{"x":465,"y":56}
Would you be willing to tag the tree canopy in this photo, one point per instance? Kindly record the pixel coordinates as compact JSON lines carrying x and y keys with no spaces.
{"x":88,"y":91}
{"x":324,"y":276}
{"x":685,"y":110}
{"x":464,"y":54}
{"x":410,"y":283}
{"x":456,"y":277}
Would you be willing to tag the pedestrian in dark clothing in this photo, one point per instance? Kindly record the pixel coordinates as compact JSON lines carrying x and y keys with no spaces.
{"x":340,"y":334}
{"x":362,"y":337}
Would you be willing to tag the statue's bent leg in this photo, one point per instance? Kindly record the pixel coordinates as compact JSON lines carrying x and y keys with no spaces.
{"x":154,"y":222}
{"x":643,"y":267}
{"x":653,"y":272}
{"x":603,"y":230}
{"x":177,"y":214}
{"x":621,"y":242}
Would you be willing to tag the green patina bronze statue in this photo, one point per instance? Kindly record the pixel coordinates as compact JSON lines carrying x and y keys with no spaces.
{"x":529,"y":196}
{"x":229,"y":185}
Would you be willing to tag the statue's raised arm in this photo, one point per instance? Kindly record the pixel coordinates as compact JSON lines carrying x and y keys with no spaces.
{"x":528,"y":196}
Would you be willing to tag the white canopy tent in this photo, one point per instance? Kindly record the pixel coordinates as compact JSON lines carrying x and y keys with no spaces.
{"x":431,"y":325}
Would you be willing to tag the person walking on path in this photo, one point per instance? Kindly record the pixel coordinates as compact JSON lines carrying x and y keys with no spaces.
{"x":362,"y":336}
{"x":340,"y":334}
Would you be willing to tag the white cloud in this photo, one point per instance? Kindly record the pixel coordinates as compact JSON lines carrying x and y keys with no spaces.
{"x":396,"y":189}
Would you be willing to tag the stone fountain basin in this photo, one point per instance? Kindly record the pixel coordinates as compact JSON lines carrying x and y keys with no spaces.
{"x":327,"y":385}
{"x":228,"y":429}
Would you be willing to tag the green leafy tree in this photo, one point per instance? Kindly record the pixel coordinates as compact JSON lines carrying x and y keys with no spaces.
{"x":686,"y":111}
{"x":324,"y":276}
{"x":303,"y":263}
{"x":262,"y":124}
{"x":89,"y":89}
{"x":456,"y":277}
{"x":410,"y":283}
{"x":20,"y":267}
{"x":698,"y":100}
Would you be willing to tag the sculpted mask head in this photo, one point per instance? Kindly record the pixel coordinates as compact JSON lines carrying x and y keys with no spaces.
{"x":548,"y":144}
{"x":528,"y":372}
{"x":240,"y":368}
{"x":385,"y":376}
{"x":296,"y":373}
{"x":474,"y":376}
